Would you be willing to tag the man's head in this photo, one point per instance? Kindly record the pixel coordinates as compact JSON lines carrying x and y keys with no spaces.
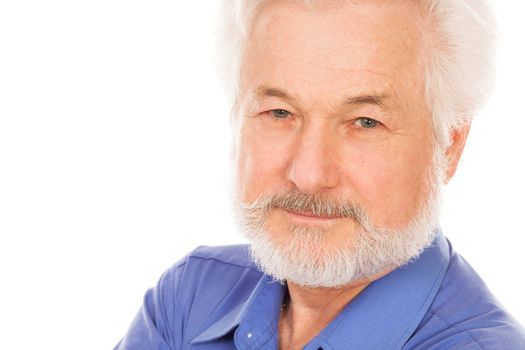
{"x":350,"y":115}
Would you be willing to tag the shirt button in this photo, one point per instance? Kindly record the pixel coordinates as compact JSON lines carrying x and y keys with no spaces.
{"x":249,"y":335}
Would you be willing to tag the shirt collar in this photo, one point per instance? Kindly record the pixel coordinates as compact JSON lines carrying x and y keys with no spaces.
{"x":383,"y":316}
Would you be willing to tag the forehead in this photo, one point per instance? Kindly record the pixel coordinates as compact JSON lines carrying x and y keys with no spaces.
{"x":368,"y":46}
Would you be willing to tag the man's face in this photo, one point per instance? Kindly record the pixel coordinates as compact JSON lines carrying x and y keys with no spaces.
{"x":332,"y":108}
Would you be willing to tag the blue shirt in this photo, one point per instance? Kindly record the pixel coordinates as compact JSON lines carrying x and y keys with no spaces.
{"x":217,"y":299}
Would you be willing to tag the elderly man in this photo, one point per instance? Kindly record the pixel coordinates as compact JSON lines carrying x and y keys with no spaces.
{"x":349,"y":117}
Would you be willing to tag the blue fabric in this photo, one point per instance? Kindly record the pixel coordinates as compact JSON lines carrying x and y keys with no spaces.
{"x":216,"y":298}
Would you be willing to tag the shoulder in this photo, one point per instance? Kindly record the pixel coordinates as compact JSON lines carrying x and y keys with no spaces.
{"x":466,"y":315}
{"x":237,"y":255}
{"x":211,"y":268}
{"x":214,"y":265}
{"x":195,"y":292}
{"x":206,"y":285}
{"x":203,"y":265}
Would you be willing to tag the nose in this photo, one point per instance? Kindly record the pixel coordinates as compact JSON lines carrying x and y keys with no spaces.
{"x":313,"y":167}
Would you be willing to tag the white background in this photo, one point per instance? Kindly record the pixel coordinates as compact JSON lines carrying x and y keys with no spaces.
{"x":114,"y":163}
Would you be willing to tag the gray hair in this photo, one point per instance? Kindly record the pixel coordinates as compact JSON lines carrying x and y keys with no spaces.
{"x":458,"y":70}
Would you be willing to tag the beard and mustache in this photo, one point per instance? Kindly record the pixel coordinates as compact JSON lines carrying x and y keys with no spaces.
{"x":308,"y":255}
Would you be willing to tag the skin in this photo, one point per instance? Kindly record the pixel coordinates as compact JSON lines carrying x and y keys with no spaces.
{"x":332,"y":103}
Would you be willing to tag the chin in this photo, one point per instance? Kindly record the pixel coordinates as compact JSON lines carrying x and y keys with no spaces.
{"x":305,"y":258}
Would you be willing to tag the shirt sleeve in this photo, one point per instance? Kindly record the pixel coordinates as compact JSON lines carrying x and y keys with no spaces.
{"x":152,"y":327}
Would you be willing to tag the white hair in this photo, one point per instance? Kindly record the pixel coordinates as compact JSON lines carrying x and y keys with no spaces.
{"x":459,"y":61}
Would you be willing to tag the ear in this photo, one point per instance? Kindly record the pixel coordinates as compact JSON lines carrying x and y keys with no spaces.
{"x":458,"y":139}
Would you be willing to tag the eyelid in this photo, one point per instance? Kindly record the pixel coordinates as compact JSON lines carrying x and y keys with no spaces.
{"x":365,"y":117}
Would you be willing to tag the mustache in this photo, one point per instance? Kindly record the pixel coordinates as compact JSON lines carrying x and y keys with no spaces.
{"x":318,"y":205}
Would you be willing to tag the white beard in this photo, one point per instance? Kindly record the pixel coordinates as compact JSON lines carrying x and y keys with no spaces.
{"x":304,"y":259}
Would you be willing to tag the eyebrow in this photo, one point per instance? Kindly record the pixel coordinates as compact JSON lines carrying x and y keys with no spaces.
{"x":365,"y":99}
{"x":377,"y":100}
{"x":262,"y":92}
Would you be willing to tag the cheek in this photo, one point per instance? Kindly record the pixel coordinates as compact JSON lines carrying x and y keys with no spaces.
{"x":262,"y":164}
{"x":390,"y":182}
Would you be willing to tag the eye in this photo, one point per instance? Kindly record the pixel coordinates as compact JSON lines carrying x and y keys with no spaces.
{"x":367,"y":123}
{"x":280,"y":113}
